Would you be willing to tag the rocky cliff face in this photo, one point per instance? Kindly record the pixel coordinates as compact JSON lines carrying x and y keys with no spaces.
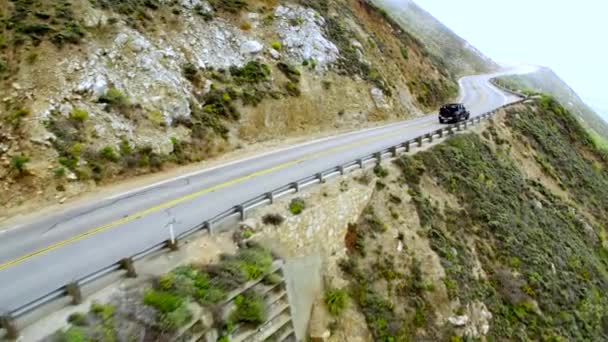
{"x":98,"y":90}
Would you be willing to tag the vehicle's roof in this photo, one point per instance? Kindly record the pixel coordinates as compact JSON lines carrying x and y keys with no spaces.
{"x":452,"y":104}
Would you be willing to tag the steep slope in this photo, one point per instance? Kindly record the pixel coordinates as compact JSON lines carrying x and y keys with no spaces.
{"x":95,"y":91}
{"x":545,"y":80}
{"x":462,"y":58}
{"x":498,"y":236}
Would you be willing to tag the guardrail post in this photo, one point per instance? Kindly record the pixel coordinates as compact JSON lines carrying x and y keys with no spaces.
{"x":394,"y":151}
{"x":378,"y":157}
{"x":320,"y":177}
{"x":458,"y":126}
{"x":241,"y":210}
{"x":360,"y":163}
{"x":450,"y":130}
{"x":341,"y":169}
{"x":270,"y":197}
{"x":465,"y":125}
{"x":440,"y":132}
{"x":172,"y":245}
{"x":127,"y":264}
{"x":419,"y":140}
{"x":296,"y":186}
{"x":73,"y":290}
{"x":407,"y":146}
{"x":8,"y":323}
{"x":207,"y":225}
{"x":430,"y":136}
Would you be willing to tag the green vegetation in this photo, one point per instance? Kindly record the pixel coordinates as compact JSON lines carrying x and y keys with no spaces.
{"x":115,"y":99}
{"x":79,"y":115}
{"x":404,"y":53}
{"x":516,"y":232}
{"x":545,"y":80}
{"x":297,"y":206}
{"x":108,"y":153}
{"x":336,"y":301}
{"x":253,"y":72}
{"x":276,"y":45}
{"x":273,"y":219}
{"x":380,"y":172}
{"x":19,"y":163}
{"x":292,"y":89}
{"x":231,"y":6}
{"x":289,"y":71}
{"x":249,"y":308}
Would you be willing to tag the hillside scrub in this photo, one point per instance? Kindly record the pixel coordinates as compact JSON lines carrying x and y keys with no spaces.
{"x":534,"y":258}
{"x":559,"y":289}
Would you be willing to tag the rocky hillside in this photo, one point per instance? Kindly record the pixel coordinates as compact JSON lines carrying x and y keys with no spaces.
{"x":99,"y":90}
{"x":498,"y":236}
{"x":462,"y":58}
{"x":545,"y":80}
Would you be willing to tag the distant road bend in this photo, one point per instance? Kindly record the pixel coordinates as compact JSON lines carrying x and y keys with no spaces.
{"x":48,"y":252}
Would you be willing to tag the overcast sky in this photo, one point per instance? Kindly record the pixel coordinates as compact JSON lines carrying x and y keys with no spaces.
{"x":570,"y":37}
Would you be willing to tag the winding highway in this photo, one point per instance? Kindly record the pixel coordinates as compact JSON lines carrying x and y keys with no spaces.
{"x":44,"y":254}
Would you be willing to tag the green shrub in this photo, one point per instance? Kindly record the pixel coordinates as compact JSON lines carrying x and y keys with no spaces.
{"x":404,"y":53}
{"x":252,"y":72}
{"x":380,"y":172}
{"x":114,"y":98}
{"x":78,"y":319}
{"x":164,"y":302}
{"x":231,"y":6}
{"x":3,"y":66}
{"x":276,"y":45}
{"x":104,"y":311}
{"x":176,"y":318}
{"x":19,"y":163}
{"x":292,"y":89}
{"x":249,"y":308}
{"x":73,"y":334}
{"x":108,"y":153}
{"x":59,"y":172}
{"x":190,"y":72}
{"x":273,"y":219}
{"x":289,"y":71}
{"x":79,"y":115}
{"x":297,"y":206}
{"x":336,"y":301}
{"x":272,"y":279}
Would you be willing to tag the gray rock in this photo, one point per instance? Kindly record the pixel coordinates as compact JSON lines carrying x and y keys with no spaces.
{"x":274,"y":54}
{"x":459,"y":321}
{"x":251,"y":47}
{"x":379,"y":99}
{"x":306,"y":40}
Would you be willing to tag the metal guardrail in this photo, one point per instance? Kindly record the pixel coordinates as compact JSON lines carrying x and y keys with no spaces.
{"x":505,"y":89}
{"x":9,"y":320}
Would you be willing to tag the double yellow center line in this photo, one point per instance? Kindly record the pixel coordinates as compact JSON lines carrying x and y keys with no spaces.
{"x":177,"y":201}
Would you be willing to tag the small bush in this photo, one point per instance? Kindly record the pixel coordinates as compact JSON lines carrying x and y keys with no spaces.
{"x":79,"y":115}
{"x":78,"y":319}
{"x":276,"y":45}
{"x":297,"y":206}
{"x":273,"y":219}
{"x":404,"y":53}
{"x":108,"y":153}
{"x":336,"y":301}
{"x":190,"y":72}
{"x":292,"y":89}
{"x":289,"y":71}
{"x":103,"y":311}
{"x":162,"y":301}
{"x":3,"y":66}
{"x":250,"y":308}
{"x":380,"y":172}
{"x":252,"y":72}
{"x":59,"y":172}
{"x":19,"y":163}
{"x":115,"y":98}
{"x":246,"y":26}
{"x":272,"y":279}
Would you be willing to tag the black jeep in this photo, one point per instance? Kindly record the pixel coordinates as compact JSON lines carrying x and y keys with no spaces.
{"x":453,"y":112}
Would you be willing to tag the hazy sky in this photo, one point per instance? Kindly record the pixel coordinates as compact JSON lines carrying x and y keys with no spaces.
{"x":570,"y":37}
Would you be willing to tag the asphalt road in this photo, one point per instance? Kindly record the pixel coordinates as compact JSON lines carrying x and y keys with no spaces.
{"x":42,"y":255}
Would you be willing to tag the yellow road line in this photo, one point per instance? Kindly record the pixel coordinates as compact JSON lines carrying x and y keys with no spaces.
{"x":174,"y":202}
